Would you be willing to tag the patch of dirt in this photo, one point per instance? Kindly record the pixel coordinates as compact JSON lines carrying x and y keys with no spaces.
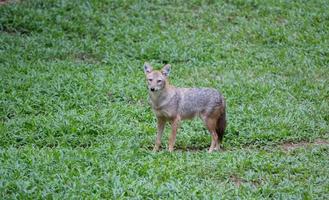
{"x":236,"y":180}
{"x":239,"y":181}
{"x":86,"y":57}
{"x":290,"y":146}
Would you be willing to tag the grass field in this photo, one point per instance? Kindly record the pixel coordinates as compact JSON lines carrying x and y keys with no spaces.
{"x":75,"y":121}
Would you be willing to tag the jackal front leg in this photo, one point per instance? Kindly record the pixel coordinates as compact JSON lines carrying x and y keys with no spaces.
{"x":174,"y":127}
{"x":160,"y":127}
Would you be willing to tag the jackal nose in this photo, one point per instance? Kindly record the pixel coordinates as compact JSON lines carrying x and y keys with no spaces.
{"x":152,"y":89}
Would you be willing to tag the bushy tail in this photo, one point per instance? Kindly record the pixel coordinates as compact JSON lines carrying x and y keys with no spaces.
{"x":221,"y":125}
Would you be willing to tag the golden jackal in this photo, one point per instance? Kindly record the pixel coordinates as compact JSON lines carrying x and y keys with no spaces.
{"x":175,"y":104}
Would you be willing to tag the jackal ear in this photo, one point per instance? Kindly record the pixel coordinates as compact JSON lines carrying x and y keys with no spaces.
{"x":166,"y":70}
{"x":147,"y":68}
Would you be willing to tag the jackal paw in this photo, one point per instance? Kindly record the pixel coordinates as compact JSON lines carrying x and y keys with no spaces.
{"x":214,"y":149}
{"x":155,"y":149}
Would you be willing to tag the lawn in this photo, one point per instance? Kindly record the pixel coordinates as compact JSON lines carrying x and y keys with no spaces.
{"x":75,"y":120}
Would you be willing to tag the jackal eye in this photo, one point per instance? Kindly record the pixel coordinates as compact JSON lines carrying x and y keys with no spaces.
{"x":150,"y":79}
{"x":159,"y":81}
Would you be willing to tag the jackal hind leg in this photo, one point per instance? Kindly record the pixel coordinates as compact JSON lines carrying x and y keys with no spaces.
{"x":211,"y":126}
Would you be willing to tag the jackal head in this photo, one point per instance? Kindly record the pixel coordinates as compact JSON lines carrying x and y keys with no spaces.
{"x":156,"y":79}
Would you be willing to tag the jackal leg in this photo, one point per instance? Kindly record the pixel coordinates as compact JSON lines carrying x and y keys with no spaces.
{"x":172,"y":139}
{"x":214,"y":142}
{"x":160,"y":127}
{"x":211,"y":125}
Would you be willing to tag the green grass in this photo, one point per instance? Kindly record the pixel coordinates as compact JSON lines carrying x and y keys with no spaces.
{"x":74,"y":117}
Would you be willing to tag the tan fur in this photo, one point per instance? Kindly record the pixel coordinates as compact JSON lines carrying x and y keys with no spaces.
{"x":175,"y":104}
